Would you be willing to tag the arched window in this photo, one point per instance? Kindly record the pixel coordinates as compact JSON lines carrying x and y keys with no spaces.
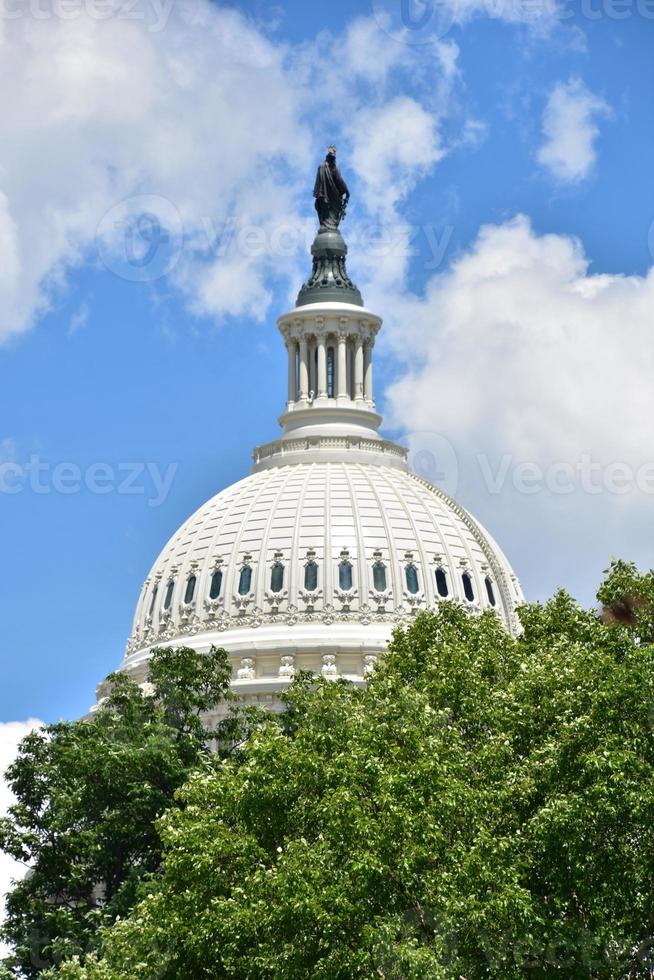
{"x":491,"y":592}
{"x":153,"y":600}
{"x":190,"y":589}
{"x":245,"y":580}
{"x":467,"y":587}
{"x":412,"y":583}
{"x":216,"y":584}
{"x":277,"y":577}
{"x":441,"y":583}
{"x":168,"y":599}
{"x":330,"y":372}
{"x":345,"y":576}
{"x":379,"y":576}
{"x":311,"y":576}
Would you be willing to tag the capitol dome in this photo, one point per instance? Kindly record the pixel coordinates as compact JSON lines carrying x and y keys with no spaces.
{"x":312,"y":560}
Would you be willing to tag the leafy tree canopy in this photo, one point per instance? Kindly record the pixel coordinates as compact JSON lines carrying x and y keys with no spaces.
{"x":483,"y":809}
{"x":88,"y":796}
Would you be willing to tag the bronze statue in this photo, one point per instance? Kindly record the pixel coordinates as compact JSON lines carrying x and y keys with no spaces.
{"x":331,"y":193}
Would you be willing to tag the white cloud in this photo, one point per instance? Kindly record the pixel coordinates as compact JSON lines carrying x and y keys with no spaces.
{"x":206,"y":116}
{"x":539,"y":14}
{"x":418,"y":23}
{"x":570,"y":129}
{"x":520,"y":353}
{"x":393,"y":146}
{"x":11,"y":733}
{"x":98,"y":111}
{"x":79,"y":319}
{"x":518,"y":321}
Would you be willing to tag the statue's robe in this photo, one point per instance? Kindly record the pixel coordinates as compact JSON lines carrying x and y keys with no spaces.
{"x":329,"y":190}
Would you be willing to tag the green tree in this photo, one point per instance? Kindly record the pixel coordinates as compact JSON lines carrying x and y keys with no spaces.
{"x":484,"y":809}
{"x":89,"y":794}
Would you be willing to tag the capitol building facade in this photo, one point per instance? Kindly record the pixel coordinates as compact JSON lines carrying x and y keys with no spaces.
{"x":311,"y":561}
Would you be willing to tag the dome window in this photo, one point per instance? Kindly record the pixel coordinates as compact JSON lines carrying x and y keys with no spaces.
{"x":467,"y":587}
{"x":412,"y":583}
{"x":153,"y":600}
{"x":379,"y":574}
{"x":441,"y":583}
{"x":245,"y":580}
{"x":216,"y":584}
{"x":277,"y":577}
{"x":490,"y":592}
{"x":345,"y":576}
{"x":330,"y":372}
{"x":168,"y":599}
{"x":190,"y":590}
{"x":311,"y":576}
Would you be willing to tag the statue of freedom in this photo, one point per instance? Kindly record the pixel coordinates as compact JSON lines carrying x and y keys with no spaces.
{"x":331,"y":193}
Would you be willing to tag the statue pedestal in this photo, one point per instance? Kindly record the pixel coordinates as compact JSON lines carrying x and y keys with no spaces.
{"x":329,"y":281}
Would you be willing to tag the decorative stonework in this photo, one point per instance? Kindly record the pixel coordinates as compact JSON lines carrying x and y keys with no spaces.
{"x":246,"y":671}
{"x":275,"y":599}
{"x":381,"y":599}
{"x":345,"y":598}
{"x":213,"y":607}
{"x":287,"y":667}
{"x":242,"y":602}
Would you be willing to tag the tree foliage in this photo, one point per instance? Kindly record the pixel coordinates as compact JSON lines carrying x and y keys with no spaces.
{"x":88,"y":797}
{"x":484,"y":809}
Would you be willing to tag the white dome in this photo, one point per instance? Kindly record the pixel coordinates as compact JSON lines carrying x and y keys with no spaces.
{"x":310,"y":562}
{"x":326,"y":513}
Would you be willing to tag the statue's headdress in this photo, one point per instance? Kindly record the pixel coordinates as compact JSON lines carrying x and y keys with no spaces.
{"x":331,"y":151}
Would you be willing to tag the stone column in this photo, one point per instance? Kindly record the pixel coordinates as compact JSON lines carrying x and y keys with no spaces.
{"x":367,"y":371}
{"x":322,"y":366}
{"x":312,"y":366}
{"x":291,"y":347}
{"x":304,"y":369}
{"x":341,"y":373}
{"x":358,"y":369}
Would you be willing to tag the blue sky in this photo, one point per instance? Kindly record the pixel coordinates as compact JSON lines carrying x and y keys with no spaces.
{"x":525,"y":144}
